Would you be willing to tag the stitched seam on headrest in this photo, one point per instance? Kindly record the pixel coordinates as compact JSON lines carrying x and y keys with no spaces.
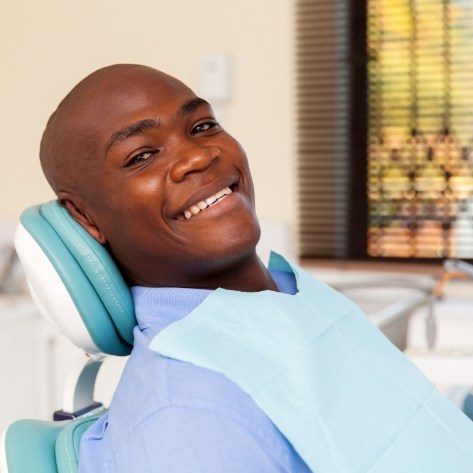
{"x":67,"y":453}
{"x":84,"y":252}
{"x":72,"y":436}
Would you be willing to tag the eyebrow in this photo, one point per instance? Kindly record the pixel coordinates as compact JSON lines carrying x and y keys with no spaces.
{"x":149,"y":123}
{"x":192,"y":105}
{"x":127,"y":132}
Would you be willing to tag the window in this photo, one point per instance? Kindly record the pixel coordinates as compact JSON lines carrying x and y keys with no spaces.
{"x":385,"y":135}
{"x":420,"y":127}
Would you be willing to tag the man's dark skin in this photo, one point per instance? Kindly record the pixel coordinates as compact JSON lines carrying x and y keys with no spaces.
{"x":126,"y":152}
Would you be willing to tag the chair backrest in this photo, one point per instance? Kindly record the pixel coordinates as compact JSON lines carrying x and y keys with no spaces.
{"x":42,"y":447}
{"x":78,"y":287}
{"x":74,"y":281}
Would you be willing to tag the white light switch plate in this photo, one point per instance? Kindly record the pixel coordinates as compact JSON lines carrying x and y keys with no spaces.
{"x":215,"y":77}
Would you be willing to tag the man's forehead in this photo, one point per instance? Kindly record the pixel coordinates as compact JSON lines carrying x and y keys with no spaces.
{"x":116,"y":104}
{"x":135,"y":93}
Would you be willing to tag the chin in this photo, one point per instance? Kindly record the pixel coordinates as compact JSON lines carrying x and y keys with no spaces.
{"x":234,"y":244}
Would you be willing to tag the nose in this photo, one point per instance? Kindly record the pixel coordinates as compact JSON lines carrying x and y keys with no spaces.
{"x":195,"y":158}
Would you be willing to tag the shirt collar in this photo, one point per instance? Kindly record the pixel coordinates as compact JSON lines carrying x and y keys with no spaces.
{"x":157,"y":307}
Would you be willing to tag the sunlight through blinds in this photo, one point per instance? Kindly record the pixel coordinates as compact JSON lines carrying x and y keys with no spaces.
{"x":420,"y":156}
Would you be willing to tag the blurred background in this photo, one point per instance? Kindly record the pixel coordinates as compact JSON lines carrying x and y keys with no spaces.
{"x":357,"y":119}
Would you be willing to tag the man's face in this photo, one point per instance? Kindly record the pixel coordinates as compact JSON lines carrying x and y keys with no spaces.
{"x":161,"y":155}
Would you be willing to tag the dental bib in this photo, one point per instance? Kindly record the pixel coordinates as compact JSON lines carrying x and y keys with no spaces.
{"x":332,"y":383}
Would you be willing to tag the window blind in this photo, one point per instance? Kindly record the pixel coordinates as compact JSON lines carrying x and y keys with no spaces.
{"x":323,"y":125}
{"x":420,"y":128}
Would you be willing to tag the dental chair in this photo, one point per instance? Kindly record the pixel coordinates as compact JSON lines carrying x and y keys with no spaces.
{"x":77,"y":286}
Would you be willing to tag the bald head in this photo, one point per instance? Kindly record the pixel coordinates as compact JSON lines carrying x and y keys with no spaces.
{"x":69,"y":144}
{"x":129,"y":151}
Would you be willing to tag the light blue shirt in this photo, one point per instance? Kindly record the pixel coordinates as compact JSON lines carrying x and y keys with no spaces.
{"x":169,"y":416}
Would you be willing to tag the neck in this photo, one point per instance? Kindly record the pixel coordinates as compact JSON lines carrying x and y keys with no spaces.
{"x":248,"y":274}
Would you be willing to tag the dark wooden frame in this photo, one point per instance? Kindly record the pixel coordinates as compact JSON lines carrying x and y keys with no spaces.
{"x":358,"y":198}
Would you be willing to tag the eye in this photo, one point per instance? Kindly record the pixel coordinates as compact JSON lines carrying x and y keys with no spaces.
{"x":205,"y":126}
{"x":141,"y":158}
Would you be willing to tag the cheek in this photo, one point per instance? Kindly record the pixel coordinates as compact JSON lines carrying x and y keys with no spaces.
{"x":144,"y":190}
{"x":131,"y":206}
{"x":245,"y":169}
{"x":142,"y":203}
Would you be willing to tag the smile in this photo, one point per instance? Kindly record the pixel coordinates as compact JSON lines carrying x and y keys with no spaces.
{"x":202,"y":205}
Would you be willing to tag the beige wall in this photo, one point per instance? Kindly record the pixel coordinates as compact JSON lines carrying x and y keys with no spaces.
{"x":47,"y":46}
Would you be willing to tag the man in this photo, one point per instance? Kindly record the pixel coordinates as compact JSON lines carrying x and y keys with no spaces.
{"x":143,"y":165}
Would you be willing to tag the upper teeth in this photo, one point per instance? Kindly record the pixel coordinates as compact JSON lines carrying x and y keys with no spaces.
{"x":203,"y":204}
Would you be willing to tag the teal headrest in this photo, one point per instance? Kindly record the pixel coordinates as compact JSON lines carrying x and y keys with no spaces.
{"x":89,"y":274}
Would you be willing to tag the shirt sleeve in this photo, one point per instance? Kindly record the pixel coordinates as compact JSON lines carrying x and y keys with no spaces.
{"x":192,"y":440}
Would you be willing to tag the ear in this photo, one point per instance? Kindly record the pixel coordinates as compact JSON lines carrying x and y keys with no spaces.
{"x":78,"y":213}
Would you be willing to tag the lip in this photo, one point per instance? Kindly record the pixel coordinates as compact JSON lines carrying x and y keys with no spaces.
{"x":206,"y":191}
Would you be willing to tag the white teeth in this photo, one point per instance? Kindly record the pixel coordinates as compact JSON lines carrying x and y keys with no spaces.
{"x":203,"y":204}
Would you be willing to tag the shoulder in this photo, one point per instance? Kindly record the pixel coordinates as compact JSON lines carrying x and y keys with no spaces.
{"x":166,"y":402}
{"x":199,"y":387}
{"x":163,"y":405}
{"x":184,"y":439}
{"x":151,"y":383}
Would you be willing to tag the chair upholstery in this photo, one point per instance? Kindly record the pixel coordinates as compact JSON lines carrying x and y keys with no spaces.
{"x":44,"y":447}
{"x":75,"y":281}
{"x":78,"y":287}
{"x":68,"y":443}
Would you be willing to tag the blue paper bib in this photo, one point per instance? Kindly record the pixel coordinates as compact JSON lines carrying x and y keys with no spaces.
{"x":333,"y":384}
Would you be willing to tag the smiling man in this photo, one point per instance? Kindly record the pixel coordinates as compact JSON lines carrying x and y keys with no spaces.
{"x":143,"y":165}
